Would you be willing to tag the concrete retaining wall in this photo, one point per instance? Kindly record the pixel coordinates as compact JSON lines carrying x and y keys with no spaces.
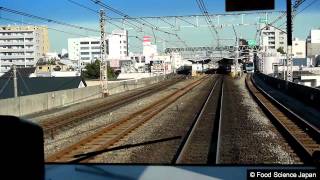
{"x":308,"y":95}
{"x":25,"y":105}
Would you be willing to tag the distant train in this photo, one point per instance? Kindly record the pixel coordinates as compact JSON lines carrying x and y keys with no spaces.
{"x":186,"y":70}
{"x":249,"y":67}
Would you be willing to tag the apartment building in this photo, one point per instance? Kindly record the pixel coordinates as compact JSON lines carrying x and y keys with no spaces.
{"x":273,"y":38}
{"x":298,"y":48}
{"x":87,"y":49}
{"x":22,"y":45}
{"x":118,"y":44}
{"x":313,"y":43}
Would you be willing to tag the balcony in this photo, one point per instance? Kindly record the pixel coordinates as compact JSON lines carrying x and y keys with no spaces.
{"x":16,"y":36}
{"x":17,"y":50}
{"x":16,"y":43}
{"x":9,"y":57}
{"x":19,"y":63}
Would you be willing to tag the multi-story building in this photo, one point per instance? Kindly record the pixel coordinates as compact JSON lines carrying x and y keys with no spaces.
{"x":84,"y":49}
{"x":314,"y":36}
{"x":273,"y":38}
{"x":313,"y":43}
{"x":298,"y":48}
{"x":149,"y":50}
{"x":22,"y":45}
{"x":118,"y":44}
{"x":88,"y":49}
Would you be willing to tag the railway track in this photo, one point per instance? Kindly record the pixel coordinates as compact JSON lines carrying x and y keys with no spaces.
{"x":109,"y":135}
{"x":201,"y":143}
{"x":303,"y":137}
{"x":52,"y":125}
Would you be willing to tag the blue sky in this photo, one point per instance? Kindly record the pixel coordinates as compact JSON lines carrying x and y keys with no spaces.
{"x":65,"y":11}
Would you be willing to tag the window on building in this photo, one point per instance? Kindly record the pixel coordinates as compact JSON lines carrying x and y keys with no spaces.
{"x":84,"y":48}
{"x":85,"y":58}
{"x":85,"y":42}
{"x":84,"y":53}
{"x":95,"y":42}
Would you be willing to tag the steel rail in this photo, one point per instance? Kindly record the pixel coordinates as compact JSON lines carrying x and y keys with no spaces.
{"x":109,"y":135}
{"x":301,"y":135}
{"x":52,"y":125}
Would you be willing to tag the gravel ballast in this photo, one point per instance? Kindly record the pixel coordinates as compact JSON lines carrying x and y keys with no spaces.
{"x":247,"y":135}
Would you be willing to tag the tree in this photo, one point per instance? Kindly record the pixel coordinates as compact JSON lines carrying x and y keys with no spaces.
{"x":93,"y":71}
{"x":280,"y":50}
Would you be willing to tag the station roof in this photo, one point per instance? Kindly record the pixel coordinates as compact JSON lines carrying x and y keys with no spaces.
{"x":204,"y":61}
{"x":36,"y":85}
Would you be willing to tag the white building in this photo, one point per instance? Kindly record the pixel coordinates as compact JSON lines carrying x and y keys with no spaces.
{"x":118,"y":44}
{"x":314,"y":36}
{"x":149,"y":50}
{"x":88,"y":49}
{"x":273,"y":38}
{"x":313,"y":46}
{"x":22,"y":45}
{"x":298,"y":48}
{"x":84,"y":49}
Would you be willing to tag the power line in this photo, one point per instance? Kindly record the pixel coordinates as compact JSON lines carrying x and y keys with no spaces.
{"x":19,"y":21}
{"x":208,"y":19}
{"x":146,"y":23}
{"x":46,"y":19}
{"x":58,"y":30}
{"x":83,"y":6}
{"x":306,"y":7}
{"x":128,"y":22}
{"x":94,"y":11}
{"x":310,"y":4}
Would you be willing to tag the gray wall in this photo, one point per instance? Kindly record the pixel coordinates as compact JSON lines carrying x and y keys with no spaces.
{"x":25,"y":105}
{"x":313,"y":49}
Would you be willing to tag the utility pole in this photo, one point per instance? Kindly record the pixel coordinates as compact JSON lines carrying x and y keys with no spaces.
{"x":15,"y":86}
{"x":236,"y":53}
{"x":289,"y":41}
{"x":24,"y":48}
{"x":103,"y":61}
{"x":236,"y":58}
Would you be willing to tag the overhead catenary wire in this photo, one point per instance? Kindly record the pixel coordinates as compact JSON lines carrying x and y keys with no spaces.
{"x":139,"y":21}
{"x":31,"y":24}
{"x":46,"y":19}
{"x":295,"y":7}
{"x":306,"y":7}
{"x":208,"y":19}
{"x":55,"y":29}
{"x":134,"y":26}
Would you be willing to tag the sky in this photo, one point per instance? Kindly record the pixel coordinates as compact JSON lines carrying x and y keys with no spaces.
{"x":66,"y":11}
